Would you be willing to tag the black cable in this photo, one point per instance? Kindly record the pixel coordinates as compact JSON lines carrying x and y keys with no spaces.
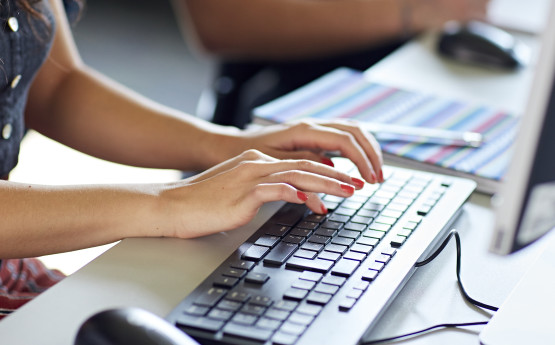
{"x":443,"y":325}
{"x":463,"y":291}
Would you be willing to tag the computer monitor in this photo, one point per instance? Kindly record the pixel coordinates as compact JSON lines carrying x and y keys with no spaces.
{"x":525,"y":205}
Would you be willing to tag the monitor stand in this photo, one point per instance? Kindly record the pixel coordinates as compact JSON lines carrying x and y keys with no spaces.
{"x":526,"y":317}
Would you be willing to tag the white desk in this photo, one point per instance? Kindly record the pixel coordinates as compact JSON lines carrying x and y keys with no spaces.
{"x":155,"y":274}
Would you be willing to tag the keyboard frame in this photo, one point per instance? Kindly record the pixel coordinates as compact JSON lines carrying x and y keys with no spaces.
{"x":431,"y":231}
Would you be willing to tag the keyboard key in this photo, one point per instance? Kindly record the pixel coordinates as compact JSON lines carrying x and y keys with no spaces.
{"x":234,"y":272}
{"x":389,"y":251}
{"x":368,"y":241}
{"x":281,"y":338}
{"x":336,"y":248}
{"x":277,"y":314}
{"x":355,"y":293}
{"x":316,"y":247}
{"x":361,"y":248}
{"x":334,"y":280}
{"x":289,"y":215}
{"x":244,"y":319}
{"x":353,"y":255}
{"x":344,"y":241}
{"x":308,"y":225}
{"x":326,"y":288}
{"x":307,"y":254}
{"x":280,"y":253}
{"x":370,"y":275}
{"x":301,"y":319}
{"x":383,"y":258}
{"x":301,"y":232}
{"x":362,"y":285}
{"x":219,"y":314}
{"x":376,"y":266}
{"x":385,"y":220}
{"x":329,"y":256}
{"x":253,"y":309}
{"x":267,"y":241}
{"x":286,"y":305}
{"x":318,"y":298}
{"x":374,"y":234}
{"x":210,"y":297}
{"x":251,"y":333}
{"x":398,"y":241}
{"x":197,"y":310}
{"x":338,"y":218}
{"x":264,"y":301}
{"x":316,"y":265}
{"x":309,"y":309}
{"x":328,"y":224}
{"x":242,"y":264}
{"x":312,"y":276}
{"x":359,"y":219}
{"x":295,"y":294}
{"x":346,"y":304}
{"x":316,"y":218}
{"x":275,"y":230}
{"x":380,"y":227}
{"x":255,"y":253}
{"x":298,"y":240}
{"x":345,"y":211}
{"x":325,"y":232}
{"x":267,"y":323}
{"x":229,"y":305}
{"x":202,"y":323}
{"x":354,"y":229}
{"x":304,"y":284}
{"x":345,"y":267}
{"x":319,"y":239}
{"x":238,"y":296}
{"x":257,"y":278}
{"x":225,"y":282}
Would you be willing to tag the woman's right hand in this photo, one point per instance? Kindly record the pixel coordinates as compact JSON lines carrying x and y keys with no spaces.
{"x":230,"y":194}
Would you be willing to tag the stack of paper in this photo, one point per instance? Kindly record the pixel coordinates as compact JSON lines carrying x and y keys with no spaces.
{"x":346,"y":94}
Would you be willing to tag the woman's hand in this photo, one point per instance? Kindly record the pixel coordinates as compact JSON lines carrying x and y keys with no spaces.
{"x":230,"y":194}
{"x":311,"y":140}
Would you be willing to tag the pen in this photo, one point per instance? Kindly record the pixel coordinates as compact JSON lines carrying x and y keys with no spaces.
{"x":415,"y":134}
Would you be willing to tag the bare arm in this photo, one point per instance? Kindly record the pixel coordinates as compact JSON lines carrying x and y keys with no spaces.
{"x":77,"y":106}
{"x":286,"y":29}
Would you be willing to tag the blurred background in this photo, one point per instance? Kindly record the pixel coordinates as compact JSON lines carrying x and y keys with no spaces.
{"x":137,"y":43}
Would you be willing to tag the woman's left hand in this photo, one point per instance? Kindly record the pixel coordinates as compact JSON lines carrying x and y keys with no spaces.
{"x":311,"y":140}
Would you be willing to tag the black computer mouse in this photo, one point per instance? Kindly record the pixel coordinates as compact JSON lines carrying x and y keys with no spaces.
{"x":482,"y":44}
{"x":126,"y":326}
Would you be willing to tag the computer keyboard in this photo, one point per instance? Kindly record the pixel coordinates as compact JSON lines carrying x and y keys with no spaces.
{"x":305,"y":278}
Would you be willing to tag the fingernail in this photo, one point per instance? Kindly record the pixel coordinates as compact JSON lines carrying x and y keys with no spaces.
{"x":357,"y":182}
{"x":328,"y":161}
{"x":324,"y":209}
{"x":348,"y":188}
{"x":381,"y":176}
{"x":374,"y":178}
{"x":302,"y":196}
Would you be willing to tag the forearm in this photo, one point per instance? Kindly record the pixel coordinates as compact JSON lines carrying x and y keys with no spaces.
{"x":277,"y":29}
{"x":102,"y":118}
{"x":39,"y":220}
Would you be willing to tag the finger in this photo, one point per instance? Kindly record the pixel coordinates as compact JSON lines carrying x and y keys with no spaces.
{"x":328,"y":138}
{"x":367,"y":142}
{"x":298,"y":155}
{"x":305,"y":174}
{"x":268,"y":192}
{"x":311,"y":182}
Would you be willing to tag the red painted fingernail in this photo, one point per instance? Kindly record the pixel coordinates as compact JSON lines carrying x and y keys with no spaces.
{"x":348,"y":188}
{"x":357,"y":182}
{"x":381,"y":176}
{"x":328,"y":161}
{"x":302,"y":196}
{"x":324,"y":209}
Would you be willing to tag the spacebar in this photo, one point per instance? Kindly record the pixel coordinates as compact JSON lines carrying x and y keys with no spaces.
{"x":316,"y":265}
